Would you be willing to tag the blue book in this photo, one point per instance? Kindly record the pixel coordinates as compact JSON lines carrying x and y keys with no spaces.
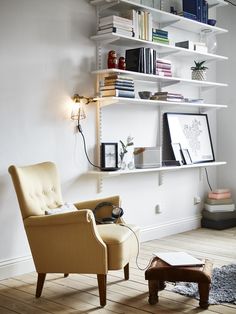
{"x":190,"y":16}
{"x":190,"y":6}
{"x":199,"y":10}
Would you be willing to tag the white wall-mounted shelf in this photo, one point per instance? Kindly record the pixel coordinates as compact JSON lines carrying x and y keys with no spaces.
{"x":161,"y":169}
{"x":164,"y":80}
{"x":165,"y":18}
{"x":108,"y":101}
{"x":162,"y":49}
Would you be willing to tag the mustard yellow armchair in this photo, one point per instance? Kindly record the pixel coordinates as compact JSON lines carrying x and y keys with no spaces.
{"x":69,"y":242}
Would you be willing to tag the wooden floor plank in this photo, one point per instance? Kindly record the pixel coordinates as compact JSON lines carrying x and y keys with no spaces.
{"x":79,"y":293}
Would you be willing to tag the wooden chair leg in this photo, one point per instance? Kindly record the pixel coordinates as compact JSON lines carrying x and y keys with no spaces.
{"x":102,"y":287}
{"x":66,"y":275}
{"x":40,"y":283}
{"x":126,"y":271}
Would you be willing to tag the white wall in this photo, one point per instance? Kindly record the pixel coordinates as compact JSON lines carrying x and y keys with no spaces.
{"x":226,"y":118}
{"x":45,"y":57}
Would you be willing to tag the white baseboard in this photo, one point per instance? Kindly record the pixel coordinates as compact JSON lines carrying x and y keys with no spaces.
{"x":169,"y":228}
{"x":16,"y":267}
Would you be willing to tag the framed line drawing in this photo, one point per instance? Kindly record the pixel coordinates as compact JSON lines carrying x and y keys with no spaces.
{"x":192,"y":133}
{"x":109,"y":156}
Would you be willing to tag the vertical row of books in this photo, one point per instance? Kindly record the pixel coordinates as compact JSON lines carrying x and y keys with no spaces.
{"x":142,"y":23}
{"x":117,"y":85}
{"x":143,"y":27}
{"x":141,"y":60}
{"x":144,"y":60}
{"x":115,"y":24}
{"x":196,"y":10}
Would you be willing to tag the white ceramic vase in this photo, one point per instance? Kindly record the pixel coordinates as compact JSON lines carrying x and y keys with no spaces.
{"x":199,"y":75}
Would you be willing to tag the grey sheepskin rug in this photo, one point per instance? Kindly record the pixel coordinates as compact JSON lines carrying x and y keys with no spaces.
{"x":223,"y":286}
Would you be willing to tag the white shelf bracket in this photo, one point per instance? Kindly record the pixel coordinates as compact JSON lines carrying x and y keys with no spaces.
{"x":163,"y":25}
{"x":166,"y":54}
{"x":165,"y":84}
{"x":99,"y":139}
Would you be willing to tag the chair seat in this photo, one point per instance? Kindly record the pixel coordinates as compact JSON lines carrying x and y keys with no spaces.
{"x":121,"y":243}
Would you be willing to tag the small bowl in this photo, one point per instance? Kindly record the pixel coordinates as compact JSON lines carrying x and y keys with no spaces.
{"x":145,"y":94}
{"x":211,"y":22}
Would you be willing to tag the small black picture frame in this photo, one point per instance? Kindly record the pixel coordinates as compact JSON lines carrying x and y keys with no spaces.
{"x":109,"y":156}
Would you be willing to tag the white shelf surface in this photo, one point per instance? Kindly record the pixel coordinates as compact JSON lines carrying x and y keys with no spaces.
{"x":166,"y":18}
{"x":155,"y":78}
{"x":127,"y":41}
{"x":161,"y":169}
{"x":107,"y":101}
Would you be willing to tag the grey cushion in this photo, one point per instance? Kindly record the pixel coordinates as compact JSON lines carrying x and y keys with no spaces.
{"x":211,"y":201}
{"x":219,"y":225}
{"x":218,"y":216}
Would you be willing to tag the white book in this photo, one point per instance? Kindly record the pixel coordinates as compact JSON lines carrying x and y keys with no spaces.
{"x":220,"y":208}
{"x":115,"y":19}
{"x":179,"y":259}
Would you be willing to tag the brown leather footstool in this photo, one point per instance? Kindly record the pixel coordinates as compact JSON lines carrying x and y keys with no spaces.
{"x":159,"y":272}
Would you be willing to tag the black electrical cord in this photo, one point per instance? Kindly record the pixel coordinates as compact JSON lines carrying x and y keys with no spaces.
{"x":208,"y":179}
{"x":85,"y":147}
{"x":231,"y":3}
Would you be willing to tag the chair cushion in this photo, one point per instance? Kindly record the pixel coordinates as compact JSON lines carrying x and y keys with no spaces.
{"x":65,"y":208}
{"x":121,"y":243}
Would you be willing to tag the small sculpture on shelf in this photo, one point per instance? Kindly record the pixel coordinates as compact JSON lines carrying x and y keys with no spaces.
{"x":122,"y":64}
{"x":199,"y":71}
{"x":123,"y":151}
{"x":112,"y":60}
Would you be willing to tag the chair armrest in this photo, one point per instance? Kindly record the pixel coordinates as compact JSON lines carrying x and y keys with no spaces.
{"x":91,"y":204}
{"x":66,"y":243}
{"x":104,"y":212}
{"x":80,"y":216}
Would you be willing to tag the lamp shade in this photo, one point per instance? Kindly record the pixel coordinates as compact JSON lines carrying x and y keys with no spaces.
{"x":78,"y":112}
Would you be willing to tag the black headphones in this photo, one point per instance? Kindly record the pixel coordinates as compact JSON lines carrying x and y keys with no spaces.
{"x":116,"y":213}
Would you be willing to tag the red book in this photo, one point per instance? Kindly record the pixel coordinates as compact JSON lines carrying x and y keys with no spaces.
{"x":219,"y":196}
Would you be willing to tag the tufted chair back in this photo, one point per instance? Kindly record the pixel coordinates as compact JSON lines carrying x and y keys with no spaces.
{"x":37,"y":188}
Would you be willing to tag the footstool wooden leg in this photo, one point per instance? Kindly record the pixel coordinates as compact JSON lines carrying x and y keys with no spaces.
{"x":204,"y":289}
{"x":153,"y":291}
{"x":161,"y":285}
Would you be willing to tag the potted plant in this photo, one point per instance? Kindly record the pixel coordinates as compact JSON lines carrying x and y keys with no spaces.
{"x":199,"y":71}
{"x":124,"y":151}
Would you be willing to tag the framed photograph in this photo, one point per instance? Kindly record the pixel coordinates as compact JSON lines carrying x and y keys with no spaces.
{"x":176,"y":147}
{"x":187,"y":158}
{"x":109,"y":156}
{"x":192,"y":133}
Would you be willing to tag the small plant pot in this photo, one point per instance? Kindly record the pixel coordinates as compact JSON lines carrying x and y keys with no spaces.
{"x":199,"y":75}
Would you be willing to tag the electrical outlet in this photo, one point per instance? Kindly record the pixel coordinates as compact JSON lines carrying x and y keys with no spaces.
{"x":196,"y":200}
{"x":157,"y":209}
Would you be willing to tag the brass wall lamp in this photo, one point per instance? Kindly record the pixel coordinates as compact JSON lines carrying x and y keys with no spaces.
{"x":78,"y":113}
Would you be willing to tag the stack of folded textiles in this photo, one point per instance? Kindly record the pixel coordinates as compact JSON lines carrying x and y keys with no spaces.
{"x":219,"y":210}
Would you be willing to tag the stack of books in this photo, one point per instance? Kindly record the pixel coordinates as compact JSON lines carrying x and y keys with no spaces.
{"x":117,"y":85}
{"x":166,"y":96}
{"x":219,"y":210}
{"x":160,"y":36}
{"x":163,"y":67}
{"x":191,"y":45}
{"x":115,"y":24}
